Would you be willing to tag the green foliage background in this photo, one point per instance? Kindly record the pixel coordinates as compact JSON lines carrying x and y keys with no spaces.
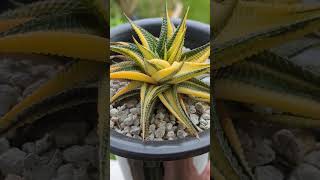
{"x":199,"y":10}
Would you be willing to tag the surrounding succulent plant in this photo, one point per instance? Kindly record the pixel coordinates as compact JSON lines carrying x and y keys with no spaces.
{"x":75,"y":30}
{"x":162,"y":70}
{"x":72,"y":29}
{"x":247,"y":71}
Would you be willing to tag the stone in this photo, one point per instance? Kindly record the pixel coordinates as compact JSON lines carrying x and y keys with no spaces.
{"x":150,"y":137}
{"x":286,"y":144}
{"x":81,"y":173}
{"x":305,"y":172}
{"x":152,"y":128}
{"x":11,"y":161}
{"x":162,"y":124}
{"x":77,"y":154}
{"x":268,"y":173}
{"x":205,"y":116}
{"x":29,"y":147}
{"x":169,"y":126}
{"x":114,"y":112}
{"x":161,"y":116}
{"x":4,"y":145}
{"x":260,"y":153}
{"x":313,"y":158}
{"x":70,"y":133}
{"x":13,"y":177}
{"x":160,"y":132}
{"x":192,"y":109}
{"x":199,"y":107}
{"x":111,"y":124}
{"x":42,"y":145}
{"x":135,"y":111}
{"x":56,"y":159}
{"x":171,"y":135}
{"x":40,"y":173}
{"x":128,"y":121}
{"x":204,"y":124}
{"x":135,"y":130}
{"x":8,"y":97}
{"x":181,"y":133}
{"x":92,"y":138}
{"x":194,"y":118}
{"x":126,"y":129}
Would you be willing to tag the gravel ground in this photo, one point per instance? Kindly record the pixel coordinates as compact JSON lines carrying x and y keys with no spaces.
{"x":125,"y":118}
{"x":278,"y":153}
{"x":54,"y":148}
{"x":20,"y":76}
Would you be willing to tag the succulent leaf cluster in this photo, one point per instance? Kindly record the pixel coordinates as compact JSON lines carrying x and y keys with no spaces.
{"x":161,"y":69}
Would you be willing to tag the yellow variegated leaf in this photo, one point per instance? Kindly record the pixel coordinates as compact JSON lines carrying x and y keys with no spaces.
{"x":149,"y":95}
{"x":147,"y":39}
{"x":60,"y":43}
{"x":124,"y":66}
{"x":198,"y":55}
{"x":193,"y":89}
{"x":132,"y":75}
{"x":131,"y":86}
{"x":178,"y":35}
{"x":170,"y":27}
{"x":150,"y":68}
{"x":170,"y":99}
{"x":167,"y":73}
{"x":129,"y":53}
{"x":190,"y":70}
{"x":161,"y":64}
{"x":175,"y":51}
{"x":147,"y":54}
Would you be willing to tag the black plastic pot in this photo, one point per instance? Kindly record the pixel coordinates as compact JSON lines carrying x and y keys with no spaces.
{"x":197,"y":34}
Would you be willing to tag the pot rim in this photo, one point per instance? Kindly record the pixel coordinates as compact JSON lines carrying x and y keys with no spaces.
{"x":133,"y":148}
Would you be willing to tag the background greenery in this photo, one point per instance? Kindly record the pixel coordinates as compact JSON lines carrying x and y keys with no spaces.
{"x":199,"y":10}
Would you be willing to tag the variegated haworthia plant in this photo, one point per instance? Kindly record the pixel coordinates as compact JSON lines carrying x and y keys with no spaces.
{"x":161,"y":69}
{"x":248,"y":72}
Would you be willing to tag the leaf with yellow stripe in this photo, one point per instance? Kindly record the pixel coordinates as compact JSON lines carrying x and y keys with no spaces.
{"x":147,"y":39}
{"x":200,"y":54}
{"x":194,"y":88}
{"x":124,"y":66}
{"x":170,"y":99}
{"x":167,"y":73}
{"x":132,"y":75}
{"x":190,"y":70}
{"x":178,"y":35}
{"x":149,"y":95}
{"x":126,"y":51}
{"x":133,"y":85}
{"x":147,"y":54}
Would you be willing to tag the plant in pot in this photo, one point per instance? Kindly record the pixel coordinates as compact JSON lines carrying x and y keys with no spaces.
{"x":256,"y":79}
{"x":165,"y":76}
